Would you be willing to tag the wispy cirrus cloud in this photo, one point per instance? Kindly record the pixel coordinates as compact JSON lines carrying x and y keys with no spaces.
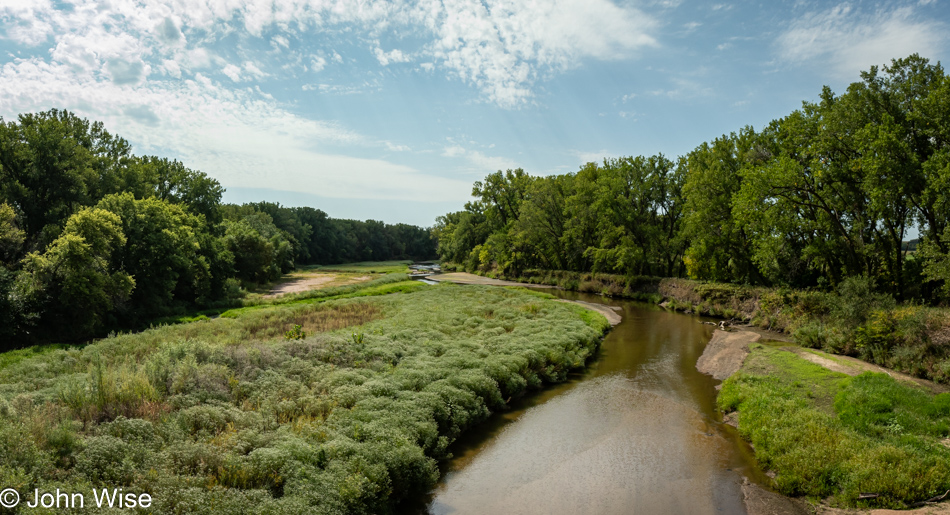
{"x":184,"y":76}
{"x":243,"y":136}
{"x":846,"y":39}
{"x":501,"y":48}
{"x":479,"y":162}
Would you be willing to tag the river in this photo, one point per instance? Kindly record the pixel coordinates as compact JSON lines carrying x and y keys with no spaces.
{"x":636,"y":433}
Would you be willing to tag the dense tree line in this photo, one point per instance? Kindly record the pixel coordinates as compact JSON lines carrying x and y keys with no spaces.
{"x":94,"y":238}
{"x":831,"y":191}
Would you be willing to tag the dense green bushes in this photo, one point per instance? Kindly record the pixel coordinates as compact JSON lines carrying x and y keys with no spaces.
{"x":94,"y":238}
{"x":829,"y":435}
{"x":228,"y":416}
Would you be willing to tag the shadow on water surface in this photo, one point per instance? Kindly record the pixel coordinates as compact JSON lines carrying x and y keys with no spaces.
{"x":636,"y":432}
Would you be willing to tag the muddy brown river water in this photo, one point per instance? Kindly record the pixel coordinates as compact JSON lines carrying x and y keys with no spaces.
{"x":636,"y":433}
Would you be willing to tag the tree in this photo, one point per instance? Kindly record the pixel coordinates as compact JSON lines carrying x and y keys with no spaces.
{"x":162,"y":252}
{"x":542,"y":221}
{"x":72,"y":281}
{"x":172,"y":182}
{"x":11,"y":237}
{"x":719,"y":248}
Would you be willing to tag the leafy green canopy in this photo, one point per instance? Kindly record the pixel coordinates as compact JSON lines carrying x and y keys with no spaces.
{"x":831,"y":191}
{"x":172,"y":246}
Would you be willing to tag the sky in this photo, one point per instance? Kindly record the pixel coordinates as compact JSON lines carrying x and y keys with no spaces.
{"x":390,"y":110}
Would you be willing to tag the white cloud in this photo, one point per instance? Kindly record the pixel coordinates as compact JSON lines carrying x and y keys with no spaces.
{"x":393,"y":56}
{"x":396,"y":148}
{"x":251,"y":69}
{"x":317,"y":64}
{"x":197,"y":58}
{"x":241,"y":137}
{"x":341,"y":89}
{"x":482,"y":163}
{"x":501,"y":48}
{"x":24,"y":23}
{"x":684,"y":88}
{"x":233,"y":72}
{"x":848,"y":41}
{"x":170,"y":67}
{"x":591,"y":157}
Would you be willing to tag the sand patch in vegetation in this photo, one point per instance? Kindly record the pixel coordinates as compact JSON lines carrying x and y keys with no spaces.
{"x":306,"y":281}
{"x":467,"y":278}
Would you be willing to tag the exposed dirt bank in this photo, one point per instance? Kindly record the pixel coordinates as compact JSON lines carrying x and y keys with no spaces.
{"x":725,"y":353}
{"x":611,"y":315}
{"x":467,"y":278}
{"x":311,"y":281}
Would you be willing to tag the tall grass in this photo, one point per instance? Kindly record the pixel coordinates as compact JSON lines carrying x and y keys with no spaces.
{"x":229,"y":416}
{"x":829,"y":435}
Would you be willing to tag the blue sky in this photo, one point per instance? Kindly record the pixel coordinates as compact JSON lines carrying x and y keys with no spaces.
{"x":390,"y":110}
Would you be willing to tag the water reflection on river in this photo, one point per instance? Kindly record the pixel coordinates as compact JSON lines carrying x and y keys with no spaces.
{"x":637,"y":433}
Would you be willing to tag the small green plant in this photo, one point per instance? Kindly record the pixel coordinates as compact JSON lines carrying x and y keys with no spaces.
{"x":358,"y":337}
{"x":894,"y":427}
{"x":295,"y":333}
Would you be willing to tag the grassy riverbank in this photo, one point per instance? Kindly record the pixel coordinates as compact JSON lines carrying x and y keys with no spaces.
{"x":335,"y":401}
{"x":831,"y":436}
{"x":852,"y":320}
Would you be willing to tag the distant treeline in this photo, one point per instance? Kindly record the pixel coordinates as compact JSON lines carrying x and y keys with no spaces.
{"x":94,"y":238}
{"x":829,"y":192}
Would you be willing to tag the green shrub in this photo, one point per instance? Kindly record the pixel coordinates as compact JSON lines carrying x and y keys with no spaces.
{"x":295,"y":333}
{"x":811,"y":335}
{"x":106,"y":460}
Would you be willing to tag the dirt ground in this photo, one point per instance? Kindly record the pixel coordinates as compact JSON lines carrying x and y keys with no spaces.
{"x":611,"y":315}
{"x":311,"y":281}
{"x":467,"y":278}
{"x":725,"y":353}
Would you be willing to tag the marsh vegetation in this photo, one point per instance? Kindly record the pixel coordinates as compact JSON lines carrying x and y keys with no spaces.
{"x":349,"y":413}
